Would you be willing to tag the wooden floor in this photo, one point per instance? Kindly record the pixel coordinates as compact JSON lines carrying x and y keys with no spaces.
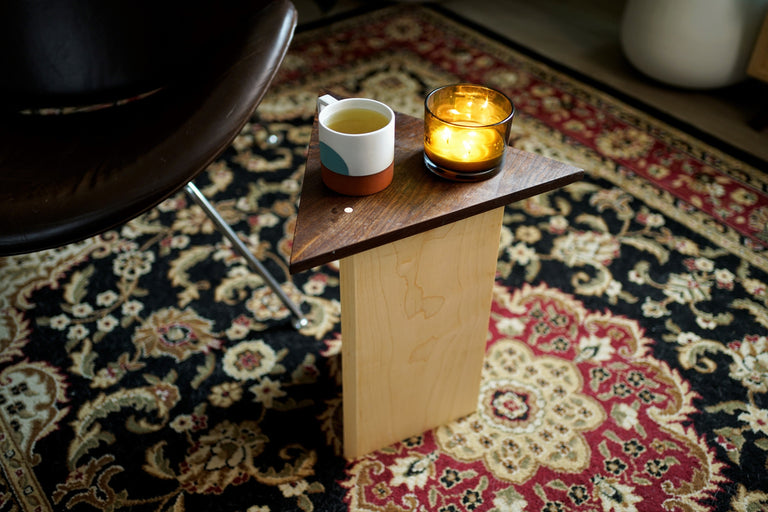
{"x":584,"y":35}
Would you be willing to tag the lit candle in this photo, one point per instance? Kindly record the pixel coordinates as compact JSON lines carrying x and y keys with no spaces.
{"x":464,"y":149}
{"x":465,"y":131}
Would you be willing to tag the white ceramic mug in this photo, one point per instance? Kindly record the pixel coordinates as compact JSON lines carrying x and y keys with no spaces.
{"x":357,"y":144}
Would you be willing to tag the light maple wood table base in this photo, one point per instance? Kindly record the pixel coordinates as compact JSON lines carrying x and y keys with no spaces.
{"x":414,"y":329}
{"x":417,"y":265}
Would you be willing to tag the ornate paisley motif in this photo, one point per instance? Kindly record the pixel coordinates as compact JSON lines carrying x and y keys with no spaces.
{"x":148,"y":369}
{"x":556,"y":405}
{"x":531,"y":413}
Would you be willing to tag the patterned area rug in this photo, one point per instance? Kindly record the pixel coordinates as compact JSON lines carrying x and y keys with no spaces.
{"x":627,"y":365}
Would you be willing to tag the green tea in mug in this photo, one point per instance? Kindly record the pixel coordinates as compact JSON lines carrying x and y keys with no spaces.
{"x":356,"y":120}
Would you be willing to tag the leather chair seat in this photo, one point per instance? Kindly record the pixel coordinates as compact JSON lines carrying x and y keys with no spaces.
{"x":70,"y":176}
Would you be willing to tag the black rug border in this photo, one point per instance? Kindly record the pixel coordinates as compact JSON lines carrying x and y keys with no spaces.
{"x":707,"y":138}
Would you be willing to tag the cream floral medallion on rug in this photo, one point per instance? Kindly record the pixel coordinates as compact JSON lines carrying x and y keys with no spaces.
{"x":147,"y":369}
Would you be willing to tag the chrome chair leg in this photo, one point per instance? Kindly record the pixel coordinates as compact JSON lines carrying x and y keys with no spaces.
{"x":194,"y":193}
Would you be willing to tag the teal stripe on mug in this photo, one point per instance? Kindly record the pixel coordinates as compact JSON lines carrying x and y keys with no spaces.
{"x":332,"y":160}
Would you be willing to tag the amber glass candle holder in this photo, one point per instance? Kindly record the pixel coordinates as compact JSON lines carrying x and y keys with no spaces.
{"x":466,"y":129}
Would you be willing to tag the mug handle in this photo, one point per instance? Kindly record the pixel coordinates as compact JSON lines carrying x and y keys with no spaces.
{"x":324,"y":101}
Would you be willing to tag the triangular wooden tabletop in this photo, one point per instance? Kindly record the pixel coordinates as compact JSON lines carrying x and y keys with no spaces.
{"x":330,"y":226}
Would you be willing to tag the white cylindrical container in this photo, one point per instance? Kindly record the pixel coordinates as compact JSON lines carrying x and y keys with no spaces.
{"x":698,"y":44}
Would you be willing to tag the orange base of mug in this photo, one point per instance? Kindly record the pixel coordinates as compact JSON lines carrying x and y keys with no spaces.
{"x":357,"y":185}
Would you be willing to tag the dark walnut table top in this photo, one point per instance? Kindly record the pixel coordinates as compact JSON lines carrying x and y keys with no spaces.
{"x":330,"y":226}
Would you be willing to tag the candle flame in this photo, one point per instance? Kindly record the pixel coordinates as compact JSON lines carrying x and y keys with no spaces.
{"x":445,"y":134}
{"x":467,"y":149}
{"x":468,"y":143}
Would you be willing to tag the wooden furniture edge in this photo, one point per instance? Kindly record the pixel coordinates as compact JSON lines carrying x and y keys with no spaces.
{"x":414,"y":229}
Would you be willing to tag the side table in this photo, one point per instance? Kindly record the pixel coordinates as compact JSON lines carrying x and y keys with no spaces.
{"x":417,"y":268}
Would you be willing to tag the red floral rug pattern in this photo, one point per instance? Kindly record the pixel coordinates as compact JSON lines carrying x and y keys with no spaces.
{"x":573,"y":413}
{"x":630,"y":142}
{"x":148,"y":369}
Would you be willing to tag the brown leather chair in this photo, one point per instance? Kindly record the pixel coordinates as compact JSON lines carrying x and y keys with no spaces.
{"x":145,"y":95}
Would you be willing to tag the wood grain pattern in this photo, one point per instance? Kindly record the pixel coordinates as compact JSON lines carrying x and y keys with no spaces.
{"x":414,"y":327}
{"x":331,"y":226}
